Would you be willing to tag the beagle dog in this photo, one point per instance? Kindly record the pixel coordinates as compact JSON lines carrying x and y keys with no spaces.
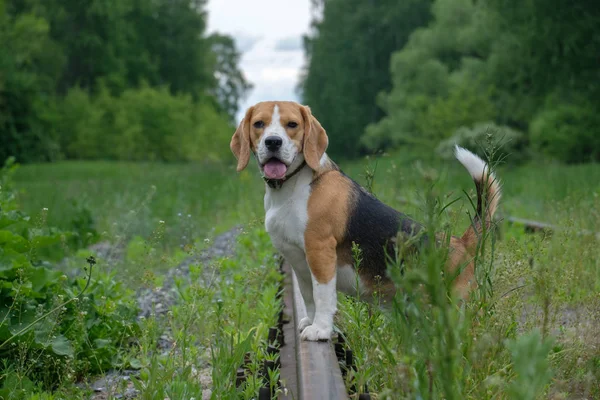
{"x":314,"y":212}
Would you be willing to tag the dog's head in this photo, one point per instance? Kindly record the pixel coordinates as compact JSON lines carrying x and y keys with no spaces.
{"x":282,"y":134}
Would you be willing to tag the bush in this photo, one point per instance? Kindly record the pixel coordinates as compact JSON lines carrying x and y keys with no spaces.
{"x":567,"y":132}
{"x":506,"y":142}
{"x":79,"y":126}
{"x":30,"y":62}
{"x":464,"y":106}
{"x":142,"y":124}
{"x":53,"y":328}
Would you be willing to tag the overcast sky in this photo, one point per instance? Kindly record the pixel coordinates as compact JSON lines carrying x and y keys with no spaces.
{"x":269,"y":33}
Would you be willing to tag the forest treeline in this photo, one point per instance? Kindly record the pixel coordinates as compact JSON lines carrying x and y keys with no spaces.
{"x":383,"y":74}
{"x":115,"y":79}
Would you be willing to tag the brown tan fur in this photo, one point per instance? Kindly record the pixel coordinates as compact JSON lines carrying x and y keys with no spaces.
{"x":327,"y":219}
{"x":460,"y":257}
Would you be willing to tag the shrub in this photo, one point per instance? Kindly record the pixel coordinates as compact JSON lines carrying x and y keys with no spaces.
{"x":506,"y":142}
{"x":142,"y":124}
{"x":53,"y":328}
{"x":568,"y":132}
{"x":463,"y":106}
{"x":80,"y":125}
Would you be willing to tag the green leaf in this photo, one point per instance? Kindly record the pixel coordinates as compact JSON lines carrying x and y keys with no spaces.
{"x":135,"y":363}
{"x":12,"y":217}
{"x":9,"y":240}
{"x":62,"y":346}
{"x":41,"y":277}
{"x":9,"y":259}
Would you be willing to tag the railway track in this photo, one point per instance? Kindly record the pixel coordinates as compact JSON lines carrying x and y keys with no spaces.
{"x":310,"y":370}
{"x":307,"y":370}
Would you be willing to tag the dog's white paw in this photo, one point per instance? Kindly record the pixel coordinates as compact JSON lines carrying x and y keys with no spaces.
{"x":315,"y":333}
{"x":304,"y":322}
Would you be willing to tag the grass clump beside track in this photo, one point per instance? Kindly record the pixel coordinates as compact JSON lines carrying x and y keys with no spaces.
{"x":223,"y":306}
{"x":224,"y":312}
{"x":530,"y":330}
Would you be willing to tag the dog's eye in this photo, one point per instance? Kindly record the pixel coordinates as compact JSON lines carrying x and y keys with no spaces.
{"x":292,"y":124}
{"x":259,"y":124}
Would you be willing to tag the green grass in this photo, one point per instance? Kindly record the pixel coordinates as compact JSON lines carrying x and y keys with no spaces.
{"x":550,"y":283}
{"x":224,"y":311}
{"x":131,"y":198}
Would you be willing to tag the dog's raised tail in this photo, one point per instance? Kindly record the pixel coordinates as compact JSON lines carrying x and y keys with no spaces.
{"x":488,"y":196}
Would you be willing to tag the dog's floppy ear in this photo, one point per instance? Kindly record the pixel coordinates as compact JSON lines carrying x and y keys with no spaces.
{"x":315,"y":139}
{"x":240,"y":142}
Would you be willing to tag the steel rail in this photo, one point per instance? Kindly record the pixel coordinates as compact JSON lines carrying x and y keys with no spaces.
{"x":310,"y":369}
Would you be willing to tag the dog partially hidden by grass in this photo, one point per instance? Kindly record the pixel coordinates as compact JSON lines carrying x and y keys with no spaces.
{"x":314,"y":212}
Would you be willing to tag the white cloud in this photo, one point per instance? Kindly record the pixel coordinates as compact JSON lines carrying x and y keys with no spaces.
{"x":269,"y":32}
{"x":291,"y":43}
{"x":279,"y":74}
{"x":268,"y":18}
{"x":245,"y":42}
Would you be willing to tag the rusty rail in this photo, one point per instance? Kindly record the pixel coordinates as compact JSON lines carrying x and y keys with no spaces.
{"x":310,"y":369}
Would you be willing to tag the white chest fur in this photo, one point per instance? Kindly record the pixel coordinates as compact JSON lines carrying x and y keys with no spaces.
{"x":286,"y":211}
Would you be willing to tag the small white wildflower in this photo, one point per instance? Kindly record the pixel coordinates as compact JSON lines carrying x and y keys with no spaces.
{"x":45,"y":209}
{"x":189,"y":215}
{"x":207,"y":240}
{"x":179,"y":214}
{"x":161,"y":222}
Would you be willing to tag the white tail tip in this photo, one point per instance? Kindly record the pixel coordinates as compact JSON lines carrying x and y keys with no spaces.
{"x":475,"y":165}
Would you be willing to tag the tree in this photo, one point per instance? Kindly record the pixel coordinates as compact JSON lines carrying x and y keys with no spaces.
{"x":61,"y":55}
{"x":232,"y":87}
{"x":30,"y":64}
{"x":348,"y":59}
{"x":439,"y":79}
{"x":531,"y":66}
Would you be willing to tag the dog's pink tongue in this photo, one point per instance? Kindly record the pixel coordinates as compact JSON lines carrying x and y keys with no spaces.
{"x":274,"y":169}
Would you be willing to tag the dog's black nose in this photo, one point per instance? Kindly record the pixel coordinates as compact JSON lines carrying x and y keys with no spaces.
{"x":273,"y":143}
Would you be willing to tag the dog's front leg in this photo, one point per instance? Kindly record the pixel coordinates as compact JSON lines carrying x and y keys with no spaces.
{"x":322,"y":258}
{"x":306,"y":288}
